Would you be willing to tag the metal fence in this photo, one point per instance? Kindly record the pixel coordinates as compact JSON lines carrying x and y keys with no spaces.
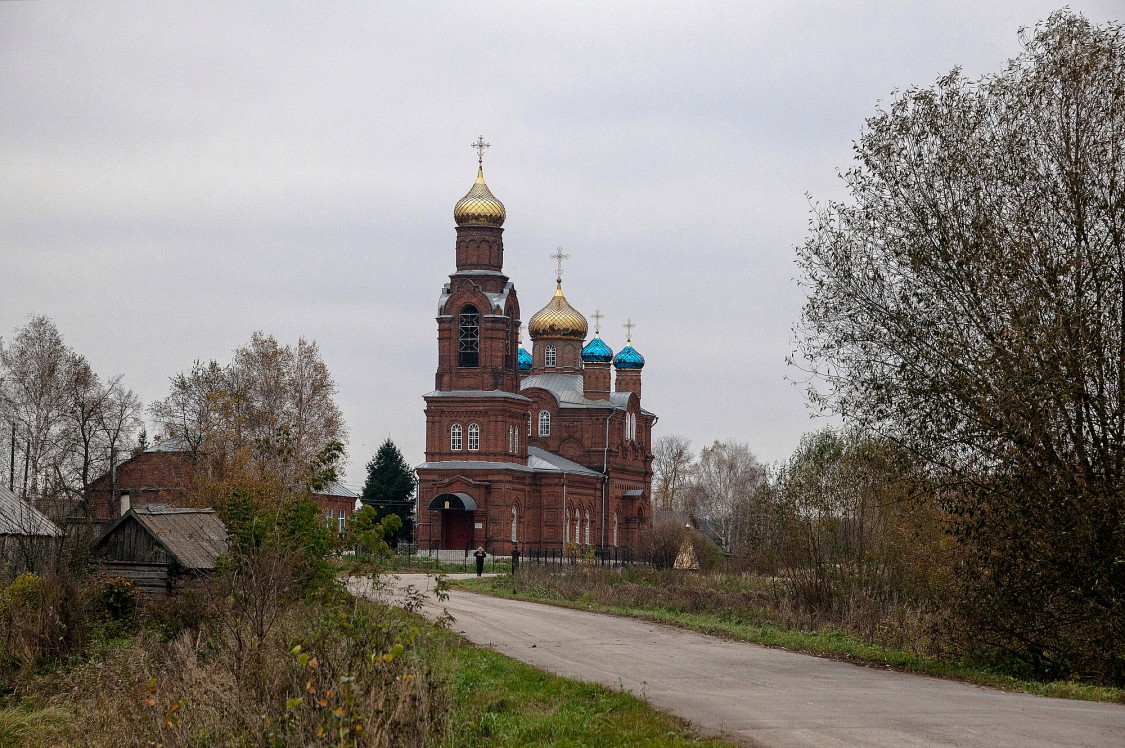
{"x":410,"y":557}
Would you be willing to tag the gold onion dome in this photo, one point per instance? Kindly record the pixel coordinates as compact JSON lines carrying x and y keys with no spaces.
{"x":558,"y":319}
{"x":479,"y":207}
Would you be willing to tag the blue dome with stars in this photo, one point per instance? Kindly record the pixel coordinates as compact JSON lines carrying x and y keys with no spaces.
{"x":523,"y":360}
{"x":629,"y":358}
{"x":597,"y":352}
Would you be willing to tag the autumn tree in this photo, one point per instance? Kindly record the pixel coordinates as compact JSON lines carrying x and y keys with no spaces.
{"x":968,"y":302}
{"x":273,"y":401}
{"x":672,"y":464}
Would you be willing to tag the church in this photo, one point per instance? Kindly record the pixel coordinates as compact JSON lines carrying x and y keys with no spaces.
{"x":542,"y":449}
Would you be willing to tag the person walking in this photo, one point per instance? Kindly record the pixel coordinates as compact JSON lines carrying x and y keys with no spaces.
{"x":479,"y":556}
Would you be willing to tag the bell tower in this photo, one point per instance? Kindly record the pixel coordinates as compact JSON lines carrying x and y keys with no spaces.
{"x":476,"y":412}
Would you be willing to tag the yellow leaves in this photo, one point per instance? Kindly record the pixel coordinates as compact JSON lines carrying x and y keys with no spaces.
{"x":291,"y":704}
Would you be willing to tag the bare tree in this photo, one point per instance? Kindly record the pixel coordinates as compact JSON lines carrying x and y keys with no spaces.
{"x":672,"y":465}
{"x":726,"y":479}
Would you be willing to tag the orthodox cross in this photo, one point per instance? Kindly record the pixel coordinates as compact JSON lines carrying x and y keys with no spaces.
{"x":479,"y":146}
{"x":558,"y":257}
{"x":629,"y":330}
{"x":520,"y":333}
{"x":597,"y":315}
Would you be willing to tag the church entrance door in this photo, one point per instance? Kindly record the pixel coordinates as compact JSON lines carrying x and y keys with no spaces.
{"x":456,"y":529}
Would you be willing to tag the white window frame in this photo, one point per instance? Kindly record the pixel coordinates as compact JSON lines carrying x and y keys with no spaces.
{"x":544,"y":423}
{"x":515,"y":525}
{"x":587,"y":537}
{"x":328,"y":517}
{"x":529,"y":424}
{"x":577,"y":526}
{"x":473,"y":438}
{"x":549,"y":357}
{"x":342,"y":521}
{"x":615,"y":529}
{"x":455,"y":438}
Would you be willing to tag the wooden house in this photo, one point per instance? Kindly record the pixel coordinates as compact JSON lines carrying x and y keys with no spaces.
{"x":29,"y":540}
{"x":162,"y":549}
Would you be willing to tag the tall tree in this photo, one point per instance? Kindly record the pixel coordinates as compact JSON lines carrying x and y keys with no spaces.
{"x":390,"y":483}
{"x":723,"y":489}
{"x":968,"y":302}
{"x":68,"y":421}
{"x":276,"y":401}
{"x":672,"y":465}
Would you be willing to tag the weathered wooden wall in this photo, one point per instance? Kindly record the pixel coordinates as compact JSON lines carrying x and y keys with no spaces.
{"x":153,"y":580}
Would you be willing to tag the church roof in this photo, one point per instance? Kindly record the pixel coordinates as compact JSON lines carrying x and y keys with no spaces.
{"x":476,"y":393}
{"x":538,"y":461}
{"x":495,"y":300}
{"x":479,"y":207}
{"x":558,"y":319}
{"x":523,"y":359}
{"x":597,"y":352}
{"x":568,"y":389}
{"x":542,"y":460}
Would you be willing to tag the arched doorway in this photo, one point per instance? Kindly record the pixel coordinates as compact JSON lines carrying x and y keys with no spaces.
{"x":457,"y":511}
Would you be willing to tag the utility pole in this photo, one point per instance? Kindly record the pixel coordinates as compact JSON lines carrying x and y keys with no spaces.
{"x":12,"y":465}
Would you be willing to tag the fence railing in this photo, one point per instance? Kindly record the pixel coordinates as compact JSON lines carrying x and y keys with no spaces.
{"x":410,"y":557}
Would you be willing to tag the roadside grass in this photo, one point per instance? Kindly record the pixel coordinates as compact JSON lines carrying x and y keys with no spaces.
{"x":501,"y":702}
{"x":427,"y":686}
{"x":824,"y":643}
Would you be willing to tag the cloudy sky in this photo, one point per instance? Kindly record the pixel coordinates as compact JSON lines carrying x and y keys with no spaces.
{"x":175,"y":176}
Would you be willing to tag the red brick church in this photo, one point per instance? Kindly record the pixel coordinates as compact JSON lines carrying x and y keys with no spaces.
{"x":544,"y":449}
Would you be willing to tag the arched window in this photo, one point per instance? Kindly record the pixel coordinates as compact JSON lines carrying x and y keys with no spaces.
{"x":587,"y":527}
{"x":566,"y":528}
{"x":511,"y":440}
{"x":544,"y":423}
{"x":529,"y":424}
{"x":455,"y":437}
{"x":577,"y":527}
{"x":516,"y":434}
{"x":549,"y":356}
{"x":468,"y":337}
{"x":474,"y":437}
{"x":615,"y":529}
{"x":515,"y":525}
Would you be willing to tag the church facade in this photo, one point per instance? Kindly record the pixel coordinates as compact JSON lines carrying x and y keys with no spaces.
{"x":542,"y":449}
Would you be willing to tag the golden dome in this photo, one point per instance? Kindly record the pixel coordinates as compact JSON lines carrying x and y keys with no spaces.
{"x":479,"y":207}
{"x":558,"y":320}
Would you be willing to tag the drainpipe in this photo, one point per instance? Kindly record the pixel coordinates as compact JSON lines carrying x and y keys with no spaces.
{"x":605,"y":478}
{"x":565,"y":516}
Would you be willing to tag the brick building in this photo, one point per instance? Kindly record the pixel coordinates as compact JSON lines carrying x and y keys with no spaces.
{"x":542,"y":448}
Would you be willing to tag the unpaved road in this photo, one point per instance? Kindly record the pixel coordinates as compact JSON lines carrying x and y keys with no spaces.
{"x":769,"y":697}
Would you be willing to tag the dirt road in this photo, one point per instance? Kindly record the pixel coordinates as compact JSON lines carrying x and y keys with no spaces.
{"x":769,"y":697}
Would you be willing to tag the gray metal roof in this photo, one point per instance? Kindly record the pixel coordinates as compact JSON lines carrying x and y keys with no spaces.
{"x":193,"y":537}
{"x":17,"y":517}
{"x":538,"y":461}
{"x":338,"y":489}
{"x":568,"y":389}
{"x":497,"y":300}
{"x":172,"y":444}
{"x":544,"y":461}
{"x":476,"y":393}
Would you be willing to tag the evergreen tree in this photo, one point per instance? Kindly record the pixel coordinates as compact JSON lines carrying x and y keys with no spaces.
{"x":390,"y":486}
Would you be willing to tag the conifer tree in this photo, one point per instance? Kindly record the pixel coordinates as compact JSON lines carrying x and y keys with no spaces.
{"x":390,"y":485}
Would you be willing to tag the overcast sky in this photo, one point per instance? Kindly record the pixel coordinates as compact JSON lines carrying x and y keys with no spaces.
{"x":174,"y":177}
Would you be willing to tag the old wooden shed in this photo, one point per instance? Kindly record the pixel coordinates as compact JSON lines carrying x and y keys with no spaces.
{"x":162,"y":549}
{"x":29,"y":540}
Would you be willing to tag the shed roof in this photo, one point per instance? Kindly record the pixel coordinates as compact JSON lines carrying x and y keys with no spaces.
{"x":17,"y":517}
{"x":193,"y":537}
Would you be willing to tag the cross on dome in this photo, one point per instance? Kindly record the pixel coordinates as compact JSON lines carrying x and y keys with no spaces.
{"x":597,"y":315}
{"x":479,"y":146}
{"x":558,"y":257}
{"x":629,"y":330}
